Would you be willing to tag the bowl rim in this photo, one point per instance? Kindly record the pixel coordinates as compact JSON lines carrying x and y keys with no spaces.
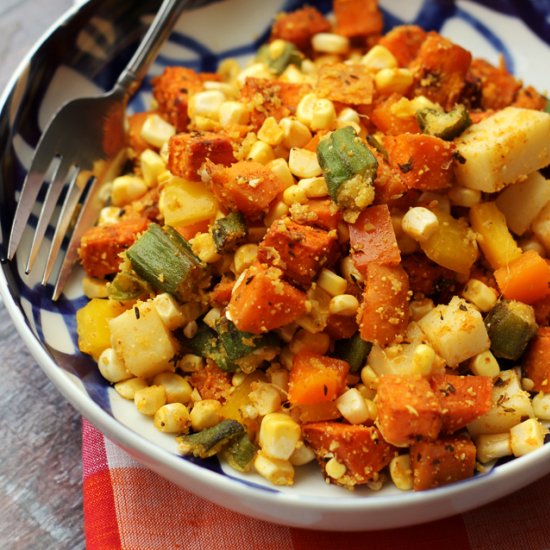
{"x":460,"y":495}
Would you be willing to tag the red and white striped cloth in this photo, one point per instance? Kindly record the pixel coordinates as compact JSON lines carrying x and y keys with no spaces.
{"x":128,"y":506}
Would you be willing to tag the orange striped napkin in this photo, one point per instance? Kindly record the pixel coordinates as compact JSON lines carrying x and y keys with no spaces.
{"x":128,"y":506}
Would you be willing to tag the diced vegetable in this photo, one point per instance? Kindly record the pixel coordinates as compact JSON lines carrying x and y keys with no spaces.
{"x":372,"y":238}
{"x":263,"y":301}
{"x":443,"y":125}
{"x":229,"y":232}
{"x":315,"y":378}
{"x":240,"y":453}
{"x":502,"y":148}
{"x":92,"y":325}
{"x":357,"y":18}
{"x":143,"y":341}
{"x":165,"y":260}
{"x":495,"y":240}
{"x":342,"y":441}
{"x":299,"y":26}
{"x":536,"y":364}
{"x":354,"y":351}
{"x":279,"y":55}
{"x":462,"y":398}
{"x":349,"y":169}
{"x":351,"y":84}
{"x":210,"y":441}
{"x":456,"y":331}
{"x":384,"y":314}
{"x":436,"y":463}
{"x":510,"y":326}
{"x":527,"y":278}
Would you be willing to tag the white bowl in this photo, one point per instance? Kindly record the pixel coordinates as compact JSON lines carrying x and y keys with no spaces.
{"x":104,"y":35}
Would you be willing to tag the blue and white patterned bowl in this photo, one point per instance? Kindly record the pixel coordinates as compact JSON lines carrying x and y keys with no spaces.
{"x":103,"y":35}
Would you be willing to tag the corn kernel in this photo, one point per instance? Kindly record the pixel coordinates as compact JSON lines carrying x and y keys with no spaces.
{"x":244,"y":257}
{"x":353,"y":407}
{"x":325,"y":42}
{"x":172,"y":418}
{"x":296,"y":133}
{"x":462,"y":196}
{"x":369,"y":377}
{"x":304,"y":109}
{"x":265,"y":397}
{"x":278,"y":435}
{"x":314,"y":188}
{"x":111,"y":367}
{"x":492,"y":446}
{"x":401,"y":472}
{"x":302,"y":454}
{"x":344,"y":304}
{"x":379,"y":57}
{"x":306,"y":341}
{"x":228,"y":90}
{"x":278,"y":377}
{"x":294,"y":195}
{"x":393,"y":81}
{"x":279,"y":167}
{"x":261,"y":152}
{"x":480,"y":295}
{"x":191,"y":363}
{"x":109,"y":215}
{"x":190,"y":329}
{"x":422,"y":102}
{"x":347,"y":116}
{"x":233,"y":113}
{"x":152,"y":166}
{"x":277,"y":210}
{"x":256,"y":70}
{"x":205,"y":414}
{"x":541,"y":405}
{"x":204,"y":247}
{"x":206,"y":104}
{"x":270,"y":132}
{"x":527,"y":436}
{"x":349,"y":271}
{"x":331,"y":282}
{"x":527,"y":384}
{"x":176,"y":387}
{"x":323,"y":116}
{"x":292,"y":74}
{"x":169,"y":311}
{"x":335,"y":469}
{"x":419,"y":223}
{"x":278,"y":472}
{"x":94,"y":288}
{"x":127,"y":189}
{"x":485,"y":364}
{"x":127,"y":388}
{"x":402,"y":108}
{"x":422,"y":359}
{"x":156,"y":131}
{"x":228,"y":69}
{"x":150,"y":399}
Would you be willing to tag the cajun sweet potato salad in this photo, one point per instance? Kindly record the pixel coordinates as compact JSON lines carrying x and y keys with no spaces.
{"x":338,"y":252}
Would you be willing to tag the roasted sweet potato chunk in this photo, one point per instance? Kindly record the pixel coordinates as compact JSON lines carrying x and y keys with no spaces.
{"x":299,"y":26}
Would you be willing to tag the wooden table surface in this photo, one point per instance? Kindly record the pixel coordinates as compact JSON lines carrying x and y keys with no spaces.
{"x":40,"y":455}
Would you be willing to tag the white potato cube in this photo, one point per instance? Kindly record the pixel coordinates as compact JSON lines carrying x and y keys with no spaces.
{"x":143,"y":341}
{"x":499,"y":150}
{"x":522,"y":202}
{"x":456,"y":331}
{"x":527,"y":436}
{"x":510,"y":405}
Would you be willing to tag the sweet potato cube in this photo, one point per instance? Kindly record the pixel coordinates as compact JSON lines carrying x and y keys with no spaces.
{"x":187,"y":152}
{"x":440,"y":70}
{"x":299,"y":26}
{"x":361,"y":449}
{"x":384,"y":313}
{"x":263,"y":301}
{"x":424,"y":162}
{"x":271,"y":98}
{"x":101,"y":246}
{"x":372,"y":238}
{"x":404,"y":42}
{"x":537,"y":362}
{"x":390,"y":121}
{"x":446,"y":460}
{"x":357,"y":18}
{"x":462,"y":398}
{"x":352,"y":84}
{"x":408,"y":409}
{"x":315,"y":378}
{"x":322,"y":213}
{"x":247,"y":186}
{"x":300,"y":251}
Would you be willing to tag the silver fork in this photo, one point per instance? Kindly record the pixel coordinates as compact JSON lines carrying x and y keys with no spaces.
{"x":82,"y":147}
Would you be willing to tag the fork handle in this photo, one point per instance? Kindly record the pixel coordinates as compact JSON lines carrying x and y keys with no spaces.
{"x":158,"y":32}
